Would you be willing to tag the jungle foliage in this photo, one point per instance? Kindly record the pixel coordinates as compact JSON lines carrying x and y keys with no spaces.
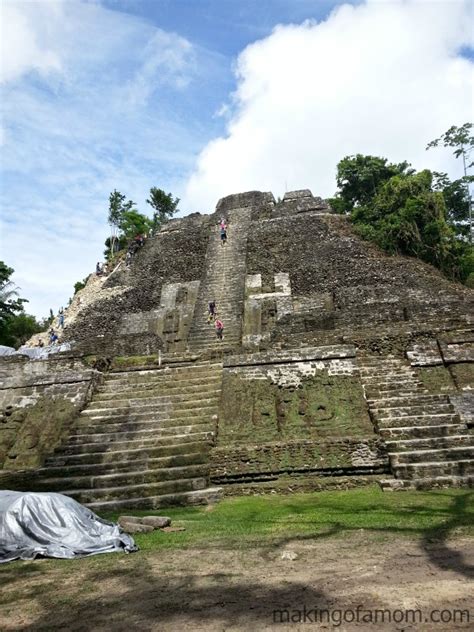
{"x":422,"y":214}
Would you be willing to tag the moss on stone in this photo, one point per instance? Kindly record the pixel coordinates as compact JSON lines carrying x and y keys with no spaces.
{"x":38,"y":430}
{"x":125,"y":362}
{"x":437,"y":379}
{"x":256,"y":411}
{"x":463,"y":374}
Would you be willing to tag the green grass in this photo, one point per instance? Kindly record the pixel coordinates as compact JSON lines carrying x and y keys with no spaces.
{"x":270,"y":520}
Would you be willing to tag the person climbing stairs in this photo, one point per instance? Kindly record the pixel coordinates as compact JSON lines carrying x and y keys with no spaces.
{"x":223,"y":282}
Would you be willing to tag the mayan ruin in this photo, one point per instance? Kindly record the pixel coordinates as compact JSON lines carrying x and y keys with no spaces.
{"x":339,"y":366}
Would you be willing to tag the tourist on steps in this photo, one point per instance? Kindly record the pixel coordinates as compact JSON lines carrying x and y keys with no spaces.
{"x":212,"y":310}
{"x":223,"y":236}
{"x":219,"y":325}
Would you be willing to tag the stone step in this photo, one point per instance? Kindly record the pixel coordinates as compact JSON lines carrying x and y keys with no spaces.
{"x":430,"y":443}
{"x":378,"y":369}
{"x":108,"y":437}
{"x":375,"y":395}
{"x":434,"y":482}
{"x":123,"y":492}
{"x":401,"y":401}
{"x":376,"y":380}
{"x":395,"y":385}
{"x":119,"y":446}
{"x":162,"y":418}
{"x":418,"y":420}
{"x":175,"y":372}
{"x":175,"y":375}
{"x":216,"y":345}
{"x":136,"y":426}
{"x":434,"y":468}
{"x":159,"y":451}
{"x":216,"y":342}
{"x":413,"y":410}
{"x":164,"y":386}
{"x":156,"y":391}
{"x":229,"y":331}
{"x":421,"y":432}
{"x":121,"y":479}
{"x":208,"y":495}
{"x":382,"y":363}
{"x":120,"y":401}
{"x":115,"y":467}
{"x":430,"y":455}
{"x":202,"y":406}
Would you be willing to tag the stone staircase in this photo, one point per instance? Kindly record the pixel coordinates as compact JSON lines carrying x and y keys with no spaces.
{"x":223,"y":281}
{"x":142,"y":442}
{"x":428,"y":444}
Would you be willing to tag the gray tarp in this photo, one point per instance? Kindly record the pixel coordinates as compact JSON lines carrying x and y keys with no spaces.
{"x":36,"y":353}
{"x":7,"y":351}
{"x":54,"y":525}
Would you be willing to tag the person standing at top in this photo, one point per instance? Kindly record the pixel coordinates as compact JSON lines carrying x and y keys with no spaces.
{"x":61,"y":318}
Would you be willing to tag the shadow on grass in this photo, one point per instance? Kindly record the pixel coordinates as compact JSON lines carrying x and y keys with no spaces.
{"x":435,"y":541}
{"x":145,"y":601}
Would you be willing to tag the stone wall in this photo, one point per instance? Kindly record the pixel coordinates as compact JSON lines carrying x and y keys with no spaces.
{"x":298,"y":412}
{"x":255,"y":199}
{"x":39,"y":400}
{"x":330,"y":457}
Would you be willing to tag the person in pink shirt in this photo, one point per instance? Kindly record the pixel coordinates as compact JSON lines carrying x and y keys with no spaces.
{"x":219,"y":325}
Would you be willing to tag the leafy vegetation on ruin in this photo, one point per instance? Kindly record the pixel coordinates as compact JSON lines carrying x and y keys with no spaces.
{"x":420,"y":214}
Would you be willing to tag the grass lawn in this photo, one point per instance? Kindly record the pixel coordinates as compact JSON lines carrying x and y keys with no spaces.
{"x":266,"y":520}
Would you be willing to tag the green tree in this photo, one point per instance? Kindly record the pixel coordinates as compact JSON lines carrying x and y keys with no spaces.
{"x":406,"y":216}
{"x":118,"y":205}
{"x":462,"y":140}
{"x":120,"y":243}
{"x":9,"y":301}
{"x":21,"y":327}
{"x":15,"y":326}
{"x":360,"y":177}
{"x":164,"y":205}
{"x":80,"y":285}
{"x":456,"y":200}
{"x":133,"y":223}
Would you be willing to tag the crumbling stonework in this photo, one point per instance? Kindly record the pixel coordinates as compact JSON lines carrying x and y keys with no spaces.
{"x":38,"y":403}
{"x":174,"y":256}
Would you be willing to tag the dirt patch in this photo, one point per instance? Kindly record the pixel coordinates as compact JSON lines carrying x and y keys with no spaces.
{"x":249,"y":589}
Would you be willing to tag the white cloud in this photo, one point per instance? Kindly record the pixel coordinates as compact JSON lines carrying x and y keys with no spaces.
{"x":70,"y":134}
{"x":379,"y":78}
{"x":167,"y":59}
{"x":22,"y":46}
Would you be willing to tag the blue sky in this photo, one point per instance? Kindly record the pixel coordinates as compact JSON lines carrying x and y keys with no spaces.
{"x":206,"y":98}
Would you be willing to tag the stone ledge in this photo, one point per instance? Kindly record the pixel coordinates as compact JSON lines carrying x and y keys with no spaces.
{"x":291,"y":355}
